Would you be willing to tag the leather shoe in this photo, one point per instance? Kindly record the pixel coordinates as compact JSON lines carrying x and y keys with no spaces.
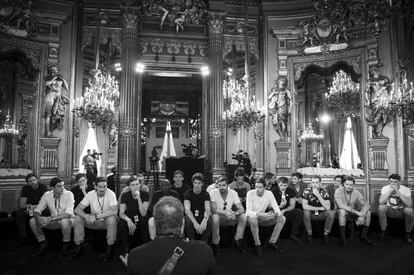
{"x":295,"y":239}
{"x":309,"y":239}
{"x":277,"y":247}
{"x":343,"y":243}
{"x":382,"y":236}
{"x":42,"y":249}
{"x":240,"y":245}
{"x":108,"y":254}
{"x":77,"y":253}
{"x":258,"y":250}
{"x":326,"y":239}
{"x":216,"y":249}
{"x":367,"y":241}
{"x":408,"y":238}
{"x":65,"y":249}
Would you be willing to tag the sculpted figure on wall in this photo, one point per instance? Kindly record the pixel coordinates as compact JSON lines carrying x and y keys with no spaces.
{"x":55,"y":102}
{"x":377,"y":113}
{"x":280,"y":106}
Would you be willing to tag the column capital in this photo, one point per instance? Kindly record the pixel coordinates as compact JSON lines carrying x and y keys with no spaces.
{"x":216,"y":21}
{"x":131,"y":11}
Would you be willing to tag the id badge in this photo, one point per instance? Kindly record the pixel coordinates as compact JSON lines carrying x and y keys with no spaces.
{"x":136,"y":219}
{"x":393,"y":201}
{"x":196,"y":213}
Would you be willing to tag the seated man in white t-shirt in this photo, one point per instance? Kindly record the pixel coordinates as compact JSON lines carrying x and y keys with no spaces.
{"x":104,"y":208}
{"x":223,"y":201}
{"x":257,"y":202}
{"x":395,"y":202}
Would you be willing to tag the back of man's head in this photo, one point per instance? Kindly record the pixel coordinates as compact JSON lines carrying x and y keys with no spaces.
{"x":168,"y":216}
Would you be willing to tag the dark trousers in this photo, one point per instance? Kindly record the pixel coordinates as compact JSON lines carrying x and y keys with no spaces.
{"x":191,"y":232}
{"x":139,"y":237}
{"x":22,"y":220}
{"x":296,"y":218}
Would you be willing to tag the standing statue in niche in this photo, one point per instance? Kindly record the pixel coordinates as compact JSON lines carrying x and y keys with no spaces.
{"x":280,"y":105}
{"x":113,"y":136}
{"x":377,"y":112}
{"x":55,"y":102}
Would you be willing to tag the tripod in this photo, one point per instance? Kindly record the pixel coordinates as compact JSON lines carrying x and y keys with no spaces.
{"x":153,"y":171}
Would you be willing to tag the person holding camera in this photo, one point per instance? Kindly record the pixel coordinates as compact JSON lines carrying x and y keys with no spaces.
{"x":317,"y":206}
{"x":395,"y":202}
{"x":133,"y":223}
{"x":30,"y":196}
{"x":95,"y":156}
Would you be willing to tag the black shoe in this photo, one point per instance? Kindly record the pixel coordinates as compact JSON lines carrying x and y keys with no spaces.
{"x":258,"y":250}
{"x":326,"y":239}
{"x":21,"y":242}
{"x":309,"y":239}
{"x":216,"y":249}
{"x":42,"y":249}
{"x":277,"y":247}
{"x":343,"y":243}
{"x":240,"y":245}
{"x":382,"y":236}
{"x":367,"y":241}
{"x":65,"y":250}
{"x":295,"y":239}
{"x":408,"y":239}
{"x":108,"y":254}
{"x":78,"y":252}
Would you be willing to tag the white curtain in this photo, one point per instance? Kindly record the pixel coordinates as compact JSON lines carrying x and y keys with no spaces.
{"x":168,"y":149}
{"x":349,"y":158}
{"x":102,"y":140}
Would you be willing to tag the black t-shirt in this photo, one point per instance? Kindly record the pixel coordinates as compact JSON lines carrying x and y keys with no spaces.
{"x":312,"y":199}
{"x":33,"y":196}
{"x":289,"y":193}
{"x":111,"y":182}
{"x":197,"y":203}
{"x":132,"y":208}
{"x":181,"y":191}
{"x":78,"y":196}
{"x":198,"y":259}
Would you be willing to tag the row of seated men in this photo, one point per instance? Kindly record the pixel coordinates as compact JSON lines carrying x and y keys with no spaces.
{"x":224,"y":205}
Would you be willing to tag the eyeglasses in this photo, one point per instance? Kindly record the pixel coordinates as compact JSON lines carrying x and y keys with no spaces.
{"x":225,"y":205}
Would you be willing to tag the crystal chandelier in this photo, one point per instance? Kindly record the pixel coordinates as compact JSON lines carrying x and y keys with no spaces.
{"x":9,"y":130}
{"x":97,"y":105}
{"x":241,"y":109}
{"x":401,"y":100}
{"x":343,"y":95}
{"x":309,"y":134}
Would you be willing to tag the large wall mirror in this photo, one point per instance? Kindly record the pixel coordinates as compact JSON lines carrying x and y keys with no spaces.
{"x":17,"y":88}
{"x":329,"y":118}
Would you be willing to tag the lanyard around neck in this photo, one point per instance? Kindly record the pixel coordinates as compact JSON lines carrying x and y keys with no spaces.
{"x":99,"y":202}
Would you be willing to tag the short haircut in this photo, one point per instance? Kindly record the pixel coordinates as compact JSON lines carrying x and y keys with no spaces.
{"x":178,"y":172}
{"x":197,"y":176}
{"x":316,"y":177}
{"x":298,"y":175}
{"x":29,"y":176}
{"x":222,"y":178}
{"x":100,"y":179}
{"x":350,"y":179}
{"x":394,"y":177}
{"x":283,"y":180}
{"x":343,"y":179}
{"x":268,"y":175}
{"x":79,"y":176}
{"x":88,"y":150}
{"x":165,"y":181}
{"x":168,"y":215}
{"x":239,"y":172}
{"x":262,"y":181}
{"x":55,"y":181}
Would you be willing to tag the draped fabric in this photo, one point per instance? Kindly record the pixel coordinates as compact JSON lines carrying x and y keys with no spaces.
{"x":349,"y":158}
{"x":83,"y":137}
{"x":357,"y":130}
{"x":102,"y":140}
{"x":336,"y":134}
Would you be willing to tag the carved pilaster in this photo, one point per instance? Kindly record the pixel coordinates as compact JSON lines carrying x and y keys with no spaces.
{"x":215,"y":98}
{"x":378,"y":156}
{"x":49,"y":156}
{"x":129,"y":100}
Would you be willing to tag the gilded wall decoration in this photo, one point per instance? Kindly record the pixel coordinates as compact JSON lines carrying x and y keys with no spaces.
{"x":17,"y":17}
{"x":131,"y":13}
{"x":215,"y":22}
{"x":175,"y":47}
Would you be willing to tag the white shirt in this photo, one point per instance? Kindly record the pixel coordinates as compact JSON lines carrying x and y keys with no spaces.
{"x":99,"y":205}
{"x":62,"y":205}
{"x":394,"y":201}
{"x":256,"y":204}
{"x":232,"y":198}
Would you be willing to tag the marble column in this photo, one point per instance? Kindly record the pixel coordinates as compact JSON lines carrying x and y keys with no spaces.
{"x":129,"y":106}
{"x":215,"y":96}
